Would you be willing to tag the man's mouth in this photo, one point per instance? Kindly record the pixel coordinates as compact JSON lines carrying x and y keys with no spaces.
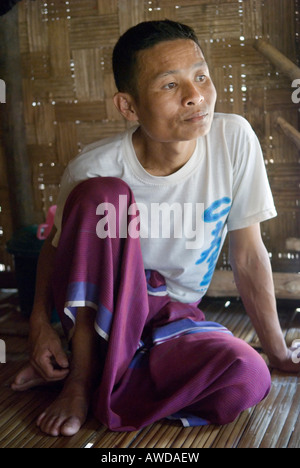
{"x":196,"y":117}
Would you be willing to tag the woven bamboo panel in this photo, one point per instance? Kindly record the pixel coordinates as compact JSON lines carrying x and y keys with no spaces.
{"x":66,"y":49}
{"x":5,"y":211}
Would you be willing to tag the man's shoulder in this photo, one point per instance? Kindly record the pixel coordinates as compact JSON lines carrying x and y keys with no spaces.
{"x":231,"y":135}
{"x":103,"y":146}
{"x":98,"y":155}
{"x":232,"y":121}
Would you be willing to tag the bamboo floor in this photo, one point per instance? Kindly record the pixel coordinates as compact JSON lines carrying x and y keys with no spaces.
{"x":274,"y":423}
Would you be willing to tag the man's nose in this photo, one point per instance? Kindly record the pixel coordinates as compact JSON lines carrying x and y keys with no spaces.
{"x":192,"y":95}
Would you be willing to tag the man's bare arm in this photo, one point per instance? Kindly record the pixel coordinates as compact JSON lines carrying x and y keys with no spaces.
{"x":43,"y":301}
{"x":253,"y":276}
{"x":45,"y":344}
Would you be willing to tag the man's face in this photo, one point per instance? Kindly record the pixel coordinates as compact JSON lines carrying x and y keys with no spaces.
{"x":176,"y":96}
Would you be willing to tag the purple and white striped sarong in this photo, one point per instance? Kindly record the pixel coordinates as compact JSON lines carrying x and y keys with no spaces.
{"x":161,"y":359}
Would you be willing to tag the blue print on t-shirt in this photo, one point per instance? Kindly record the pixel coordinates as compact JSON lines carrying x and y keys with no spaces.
{"x":211,"y":254}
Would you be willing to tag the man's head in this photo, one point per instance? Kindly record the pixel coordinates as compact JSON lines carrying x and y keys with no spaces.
{"x":138,"y":38}
{"x":163,"y":82}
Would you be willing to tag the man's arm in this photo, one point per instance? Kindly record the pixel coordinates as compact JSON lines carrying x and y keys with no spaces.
{"x":43,"y":301}
{"x":253,"y":276}
{"x":46,"y":348}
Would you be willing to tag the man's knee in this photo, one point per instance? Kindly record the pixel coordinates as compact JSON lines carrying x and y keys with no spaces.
{"x":100,"y":189}
{"x":89,"y":194}
{"x":249,"y":382}
{"x":105,"y":184}
{"x":254,"y":374}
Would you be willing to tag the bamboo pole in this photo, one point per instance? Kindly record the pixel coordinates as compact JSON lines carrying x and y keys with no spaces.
{"x":12,"y":122}
{"x":278,"y":59}
{"x":293,"y":243}
{"x":289,"y":131}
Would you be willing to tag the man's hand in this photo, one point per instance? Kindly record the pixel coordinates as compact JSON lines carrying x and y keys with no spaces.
{"x":253,"y":276}
{"x":292,"y":362}
{"x":47,"y":354}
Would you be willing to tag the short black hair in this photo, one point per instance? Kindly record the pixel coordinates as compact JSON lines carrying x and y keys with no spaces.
{"x":141,"y":37}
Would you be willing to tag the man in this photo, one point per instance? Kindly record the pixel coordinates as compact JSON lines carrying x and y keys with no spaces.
{"x":127,"y":283}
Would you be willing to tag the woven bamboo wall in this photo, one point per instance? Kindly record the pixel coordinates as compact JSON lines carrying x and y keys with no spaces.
{"x":5,"y":213}
{"x":66,"y":49}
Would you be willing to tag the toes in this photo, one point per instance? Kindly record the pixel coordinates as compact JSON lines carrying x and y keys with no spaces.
{"x":26,"y":374}
{"x":40,"y":419}
{"x":49,"y":424}
{"x":70,"y":427}
{"x":26,"y":385}
{"x":58,"y":425}
{"x":65,"y":415}
{"x":26,"y":378}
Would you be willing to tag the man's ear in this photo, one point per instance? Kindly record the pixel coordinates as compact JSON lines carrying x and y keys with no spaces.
{"x":125,"y":105}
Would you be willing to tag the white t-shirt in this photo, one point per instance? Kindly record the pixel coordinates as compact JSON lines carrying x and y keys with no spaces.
{"x":223,"y":187}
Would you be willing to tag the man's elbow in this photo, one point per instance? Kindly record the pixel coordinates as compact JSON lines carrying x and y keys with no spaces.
{"x":250,"y":259}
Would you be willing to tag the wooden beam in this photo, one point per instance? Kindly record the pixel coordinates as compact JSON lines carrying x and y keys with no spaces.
{"x":12,"y":122}
{"x":287,"y":285}
{"x":278,"y":59}
{"x":293,"y":243}
{"x":289,"y":131}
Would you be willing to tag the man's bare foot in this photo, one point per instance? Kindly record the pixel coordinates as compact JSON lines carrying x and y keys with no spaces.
{"x":68,"y":412}
{"x":27,"y":378}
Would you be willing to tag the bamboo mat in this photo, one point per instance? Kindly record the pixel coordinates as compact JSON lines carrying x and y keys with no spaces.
{"x":274,"y":422}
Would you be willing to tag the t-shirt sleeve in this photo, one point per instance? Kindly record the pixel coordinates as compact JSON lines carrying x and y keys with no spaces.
{"x":66,"y":186}
{"x":252,"y":200}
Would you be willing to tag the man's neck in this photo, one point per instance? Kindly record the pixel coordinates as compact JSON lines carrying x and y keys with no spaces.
{"x":161,"y":158}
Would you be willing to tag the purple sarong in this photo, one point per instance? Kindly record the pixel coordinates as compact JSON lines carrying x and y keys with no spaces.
{"x":161,"y":359}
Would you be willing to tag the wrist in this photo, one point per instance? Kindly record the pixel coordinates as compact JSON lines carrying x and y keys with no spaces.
{"x":39,"y":316}
{"x":280,"y":358}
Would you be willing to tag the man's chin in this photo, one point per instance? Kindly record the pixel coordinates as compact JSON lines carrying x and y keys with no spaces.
{"x":198,"y":131}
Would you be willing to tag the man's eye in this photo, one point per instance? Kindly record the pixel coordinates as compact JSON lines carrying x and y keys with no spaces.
{"x":200,"y":78}
{"x":170,"y":86}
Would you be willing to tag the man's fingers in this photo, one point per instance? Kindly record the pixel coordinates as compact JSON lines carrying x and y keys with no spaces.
{"x":47,"y":368}
{"x":60,"y":360}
